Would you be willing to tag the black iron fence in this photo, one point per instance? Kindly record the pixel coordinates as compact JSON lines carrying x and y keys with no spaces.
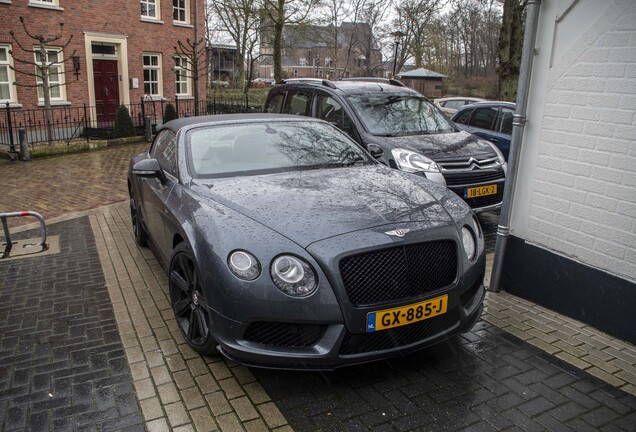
{"x":70,"y":123}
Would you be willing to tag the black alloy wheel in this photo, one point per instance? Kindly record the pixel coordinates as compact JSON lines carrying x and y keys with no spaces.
{"x":188,"y":301}
{"x":141,"y":238}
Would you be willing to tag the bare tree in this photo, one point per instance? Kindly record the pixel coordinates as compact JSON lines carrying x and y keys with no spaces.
{"x":46,"y":65}
{"x":413,"y":18}
{"x":364,"y":18}
{"x":276,"y":15}
{"x":188,"y":63}
{"x":239,"y":18}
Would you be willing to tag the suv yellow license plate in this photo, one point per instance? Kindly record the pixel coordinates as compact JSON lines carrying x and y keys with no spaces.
{"x":480,"y":191}
{"x":389,"y":318}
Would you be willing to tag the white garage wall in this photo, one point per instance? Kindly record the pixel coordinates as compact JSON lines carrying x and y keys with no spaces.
{"x":576,"y":190}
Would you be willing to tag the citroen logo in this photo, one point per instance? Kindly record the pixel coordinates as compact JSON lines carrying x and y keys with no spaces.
{"x":398,"y":232}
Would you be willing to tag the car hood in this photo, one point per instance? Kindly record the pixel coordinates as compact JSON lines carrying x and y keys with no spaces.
{"x":441,"y":146}
{"x":308,"y":206}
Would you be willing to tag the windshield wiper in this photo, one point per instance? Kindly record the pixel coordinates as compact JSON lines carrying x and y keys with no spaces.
{"x":328,"y":165}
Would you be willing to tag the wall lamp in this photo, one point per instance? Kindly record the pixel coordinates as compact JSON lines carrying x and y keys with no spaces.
{"x":76,"y":65}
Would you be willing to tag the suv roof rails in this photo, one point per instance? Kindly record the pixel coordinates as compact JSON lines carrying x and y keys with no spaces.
{"x":389,"y":81}
{"x":308,"y":80}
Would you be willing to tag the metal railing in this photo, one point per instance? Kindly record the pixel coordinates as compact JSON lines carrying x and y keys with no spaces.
{"x":69,"y":123}
{"x":7,"y":235}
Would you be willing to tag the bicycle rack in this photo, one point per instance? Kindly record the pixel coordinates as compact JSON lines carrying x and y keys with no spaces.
{"x":7,"y":235}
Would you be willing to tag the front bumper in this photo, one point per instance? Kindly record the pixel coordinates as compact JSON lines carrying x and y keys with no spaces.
{"x":316,"y":345}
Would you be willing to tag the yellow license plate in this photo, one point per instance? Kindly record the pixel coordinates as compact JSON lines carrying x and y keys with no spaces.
{"x":389,"y":318}
{"x":479,"y":191}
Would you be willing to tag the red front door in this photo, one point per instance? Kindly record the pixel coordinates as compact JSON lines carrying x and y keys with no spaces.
{"x":106,"y":81}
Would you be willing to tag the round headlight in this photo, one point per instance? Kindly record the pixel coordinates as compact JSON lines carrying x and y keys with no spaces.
{"x":410,"y":161}
{"x":468,"y":240}
{"x":244,"y":265}
{"x":293,"y":276}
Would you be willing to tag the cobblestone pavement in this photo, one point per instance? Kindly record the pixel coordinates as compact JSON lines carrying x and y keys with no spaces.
{"x":60,"y":185}
{"x":522,"y":367}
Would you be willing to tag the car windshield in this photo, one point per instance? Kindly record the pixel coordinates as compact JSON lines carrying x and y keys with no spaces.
{"x":392,"y":115}
{"x":258,"y":148}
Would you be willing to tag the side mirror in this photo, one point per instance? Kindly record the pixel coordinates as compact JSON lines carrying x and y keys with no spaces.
{"x":375,"y":150}
{"x":149,"y":168}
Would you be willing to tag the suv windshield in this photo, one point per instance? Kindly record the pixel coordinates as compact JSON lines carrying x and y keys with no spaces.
{"x":390,"y":115}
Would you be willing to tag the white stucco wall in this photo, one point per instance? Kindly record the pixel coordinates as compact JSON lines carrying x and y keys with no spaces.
{"x":576,"y":187}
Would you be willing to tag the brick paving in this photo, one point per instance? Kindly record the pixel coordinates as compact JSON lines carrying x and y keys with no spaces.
{"x":62,"y":364}
{"x":522,"y":367}
{"x":60,"y":185}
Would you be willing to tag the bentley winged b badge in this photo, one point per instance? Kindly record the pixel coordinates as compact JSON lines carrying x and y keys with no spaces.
{"x":398,"y":232}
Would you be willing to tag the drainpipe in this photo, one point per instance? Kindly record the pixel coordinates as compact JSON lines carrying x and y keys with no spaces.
{"x":518,"y":124}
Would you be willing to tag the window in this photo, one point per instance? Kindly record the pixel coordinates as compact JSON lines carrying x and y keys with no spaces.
{"x":55,"y":65}
{"x":182,"y":82}
{"x":328,"y":61}
{"x":464,"y":117}
{"x":504,"y":121}
{"x":275,"y":104}
{"x":297,"y":103}
{"x":164,"y":149}
{"x":303,"y":61}
{"x":483,"y":118}
{"x":152,"y":74}
{"x":180,"y":12}
{"x":6,"y":75}
{"x":331,"y":111}
{"x":150,"y":9}
{"x":44,"y":2}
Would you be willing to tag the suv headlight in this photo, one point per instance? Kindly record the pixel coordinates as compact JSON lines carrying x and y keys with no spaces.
{"x":410,"y":161}
{"x":293,"y":276}
{"x":500,"y":156}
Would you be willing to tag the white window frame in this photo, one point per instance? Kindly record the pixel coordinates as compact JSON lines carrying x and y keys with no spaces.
{"x":157,"y":69}
{"x":182,"y":76}
{"x":185,"y":9}
{"x":61,"y":77}
{"x":45,"y":3}
{"x":10,"y":75}
{"x":148,"y":3}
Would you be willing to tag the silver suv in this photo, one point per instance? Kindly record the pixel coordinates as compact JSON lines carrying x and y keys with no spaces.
{"x":402,"y":129}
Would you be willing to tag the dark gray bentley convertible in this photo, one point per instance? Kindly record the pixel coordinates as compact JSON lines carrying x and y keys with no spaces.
{"x":288,"y":246}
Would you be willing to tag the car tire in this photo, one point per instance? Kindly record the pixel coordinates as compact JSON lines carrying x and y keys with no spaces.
{"x":188,"y":301}
{"x":141,"y":237}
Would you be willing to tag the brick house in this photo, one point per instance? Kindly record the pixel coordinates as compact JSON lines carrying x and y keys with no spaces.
{"x":123,"y":51}
{"x":572,"y":244}
{"x":312,"y":51}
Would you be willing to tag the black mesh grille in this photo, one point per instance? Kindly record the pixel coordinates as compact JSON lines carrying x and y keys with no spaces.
{"x":284,"y":334}
{"x":398,"y":273}
{"x":397,"y":337}
{"x":473,"y":177}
